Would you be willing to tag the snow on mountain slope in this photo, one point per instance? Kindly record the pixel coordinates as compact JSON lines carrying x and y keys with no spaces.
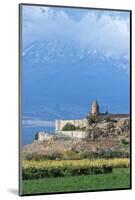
{"x":61,"y":79}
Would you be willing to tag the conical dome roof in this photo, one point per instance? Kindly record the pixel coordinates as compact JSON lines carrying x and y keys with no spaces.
{"x":95,"y":103}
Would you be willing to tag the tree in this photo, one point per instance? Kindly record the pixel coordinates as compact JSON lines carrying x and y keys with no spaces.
{"x":70,"y":127}
{"x":91,"y":119}
{"x":36,"y":136}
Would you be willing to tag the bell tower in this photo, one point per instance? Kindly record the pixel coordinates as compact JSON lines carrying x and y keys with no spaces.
{"x":95,"y":108}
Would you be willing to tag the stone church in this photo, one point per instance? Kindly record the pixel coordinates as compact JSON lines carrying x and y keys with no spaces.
{"x":119,"y":124}
{"x":59,"y":124}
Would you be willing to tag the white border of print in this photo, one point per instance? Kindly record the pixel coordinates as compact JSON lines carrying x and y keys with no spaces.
{"x":9,"y":98}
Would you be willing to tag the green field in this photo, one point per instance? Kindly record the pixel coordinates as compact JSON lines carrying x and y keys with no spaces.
{"x":118,"y":179}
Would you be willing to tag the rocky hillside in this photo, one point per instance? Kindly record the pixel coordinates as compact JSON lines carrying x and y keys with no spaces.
{"x":112,"y":137}
{"x":113,"y":130}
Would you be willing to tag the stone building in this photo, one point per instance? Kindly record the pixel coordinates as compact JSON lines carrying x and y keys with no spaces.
{"x":95,"y":108}
{"x":59,"y":124}
{"x":119,"y":124}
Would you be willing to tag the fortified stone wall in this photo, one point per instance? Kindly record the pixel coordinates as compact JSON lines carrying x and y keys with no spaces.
{"x":120,"y":127}
{"x":104,"y":130}
{"x":75,"y":134}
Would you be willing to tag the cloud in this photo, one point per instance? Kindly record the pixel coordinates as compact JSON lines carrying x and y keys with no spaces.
{"x":37,"y":123}
{"x":105,"y":31}
{"x":106,"y":34}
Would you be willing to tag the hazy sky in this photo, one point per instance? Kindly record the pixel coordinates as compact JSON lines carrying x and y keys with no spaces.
{"x":104,"y":31}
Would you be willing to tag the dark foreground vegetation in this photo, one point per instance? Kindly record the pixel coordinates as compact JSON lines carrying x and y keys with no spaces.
{"x":43,"y":169}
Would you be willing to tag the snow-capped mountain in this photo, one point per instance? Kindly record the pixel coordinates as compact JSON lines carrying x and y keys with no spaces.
{"x":60,"y":80}
{"x":62,"y":52}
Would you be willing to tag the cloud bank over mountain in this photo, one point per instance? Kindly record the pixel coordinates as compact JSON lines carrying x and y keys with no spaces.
{"x":103,"y":31}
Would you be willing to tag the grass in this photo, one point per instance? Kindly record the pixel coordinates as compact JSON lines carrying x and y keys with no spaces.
{"x":118,"y":179}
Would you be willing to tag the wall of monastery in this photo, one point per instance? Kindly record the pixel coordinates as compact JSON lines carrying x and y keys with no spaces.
{"x":75,"y":134}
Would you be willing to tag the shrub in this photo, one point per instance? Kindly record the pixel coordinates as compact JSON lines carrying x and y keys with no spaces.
{"x":91,"y":119}
{"x":107,"y":118}
{"x":113,"y":154}
{"x":40,"y":157}
{"x":75,"y":155}
{"x":83,"y":128}
{"x":124,"y":141}
{"x":29,"y":157}
{"x":107,"y":169}
{"x":70,"y":127}
{"x":36,"y":136}
{"x":35,"y":173}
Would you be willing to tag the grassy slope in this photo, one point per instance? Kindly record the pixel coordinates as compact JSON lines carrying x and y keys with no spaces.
{"x":120,"y":178}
